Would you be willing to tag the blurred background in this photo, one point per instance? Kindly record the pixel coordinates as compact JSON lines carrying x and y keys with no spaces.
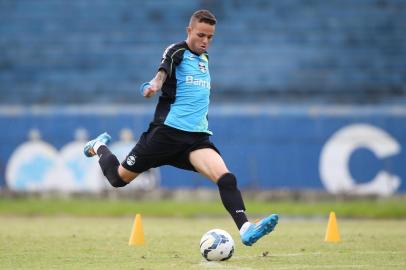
{"x":307,"y":95}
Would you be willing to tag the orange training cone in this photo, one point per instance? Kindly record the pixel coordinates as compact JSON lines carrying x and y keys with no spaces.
{"x":137,"y":233}
{"x":332,"y":234}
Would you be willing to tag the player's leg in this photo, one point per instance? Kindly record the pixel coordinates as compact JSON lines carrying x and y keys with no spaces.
{"x":210,"y":164}
{"x":116,"y":174}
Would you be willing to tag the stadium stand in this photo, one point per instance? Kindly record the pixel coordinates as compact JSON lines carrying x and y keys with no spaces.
{"x":82,"y":51}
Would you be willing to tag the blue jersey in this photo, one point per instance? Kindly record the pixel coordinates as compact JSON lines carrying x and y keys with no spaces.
{"x":184,"y":99}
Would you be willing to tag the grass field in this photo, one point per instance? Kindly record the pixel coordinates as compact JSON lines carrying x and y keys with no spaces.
{"x":359,"y":208}
{"x":66,"y":242}
{"x":94,"y":233}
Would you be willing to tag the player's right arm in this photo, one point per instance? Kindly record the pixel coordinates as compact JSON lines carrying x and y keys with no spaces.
{"x":155,"y":84}
{"x":170,"y":59}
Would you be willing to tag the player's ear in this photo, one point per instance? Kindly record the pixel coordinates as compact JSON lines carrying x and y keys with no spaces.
{"x":188,"y":30}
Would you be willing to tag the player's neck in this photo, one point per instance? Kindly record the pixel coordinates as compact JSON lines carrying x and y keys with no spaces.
{"x":187,"y":43}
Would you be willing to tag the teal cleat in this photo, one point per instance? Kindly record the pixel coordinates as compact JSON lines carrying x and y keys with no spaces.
{"x":88,"y":149}
{"x":257,"y":230}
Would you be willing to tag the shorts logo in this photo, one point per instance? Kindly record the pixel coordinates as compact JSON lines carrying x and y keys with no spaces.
{"x":131,"y":160}
{"x":202,"y":67}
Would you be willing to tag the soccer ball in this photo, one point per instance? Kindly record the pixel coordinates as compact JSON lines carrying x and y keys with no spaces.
{"x":217,"y":245}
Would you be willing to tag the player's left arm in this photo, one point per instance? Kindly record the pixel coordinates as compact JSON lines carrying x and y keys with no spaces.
{"x":155,"y":84}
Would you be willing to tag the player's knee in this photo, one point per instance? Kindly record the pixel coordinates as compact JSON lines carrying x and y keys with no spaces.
{"x":115,"y":179}
{"x":109,"y":166}
{"x":227,"y":181}
{"x":126,"y":175}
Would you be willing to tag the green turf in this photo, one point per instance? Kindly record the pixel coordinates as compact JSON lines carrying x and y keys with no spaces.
{"x":372,"y":208}
{"x":58,"y":242}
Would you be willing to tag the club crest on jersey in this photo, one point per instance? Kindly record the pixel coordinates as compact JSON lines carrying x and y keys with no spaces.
{"x":202,"y":67}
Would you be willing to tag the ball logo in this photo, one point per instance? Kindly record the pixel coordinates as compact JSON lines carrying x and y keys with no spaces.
{"x":131,"y":160}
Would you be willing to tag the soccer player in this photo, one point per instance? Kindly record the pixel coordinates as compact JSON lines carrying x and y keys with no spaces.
{"x":179,"y":133}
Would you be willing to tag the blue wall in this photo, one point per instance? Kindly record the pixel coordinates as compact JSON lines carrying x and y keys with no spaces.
{"x":265,"y":146}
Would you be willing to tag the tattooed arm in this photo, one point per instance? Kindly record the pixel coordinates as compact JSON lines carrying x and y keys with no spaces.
{"x":155,"y":84}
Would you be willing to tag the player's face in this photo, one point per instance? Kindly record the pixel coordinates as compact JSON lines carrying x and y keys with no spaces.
{"x":199,"y":37}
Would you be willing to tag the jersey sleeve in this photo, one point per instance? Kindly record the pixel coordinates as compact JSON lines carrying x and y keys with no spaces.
{"x":171,"y":58}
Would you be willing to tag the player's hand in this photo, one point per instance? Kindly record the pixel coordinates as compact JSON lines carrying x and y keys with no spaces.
{"x":149,"y":89}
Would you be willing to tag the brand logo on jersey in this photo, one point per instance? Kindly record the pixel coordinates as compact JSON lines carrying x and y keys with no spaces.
{"x":131,"y":160}
{"x":202,"y":67}
{"x":193,"y":81}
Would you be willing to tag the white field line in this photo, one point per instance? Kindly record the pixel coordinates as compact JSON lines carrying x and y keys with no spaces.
{"x":221,"y":265}
{"x":335,"y":266}
{"x":301,"y":266}
{"x":323,"y":253}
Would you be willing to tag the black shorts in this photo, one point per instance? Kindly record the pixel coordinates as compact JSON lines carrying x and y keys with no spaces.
{"x":164,"y":145}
